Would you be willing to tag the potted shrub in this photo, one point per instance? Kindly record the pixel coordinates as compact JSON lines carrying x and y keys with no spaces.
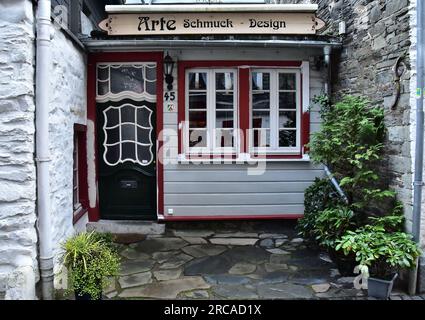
{"x":330,"y":225}
{"x":91,"y":261}
{"x":380,"y":254}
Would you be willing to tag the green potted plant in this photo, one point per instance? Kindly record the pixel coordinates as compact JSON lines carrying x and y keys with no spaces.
{"x":90,"y":261}
{"x":381,"y":255}
{"x":330,"y":225}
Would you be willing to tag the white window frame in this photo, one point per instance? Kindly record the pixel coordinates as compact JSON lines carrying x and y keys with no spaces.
{"x":211,"y":112}
{"x":76,"y":173}
{"x":274,"y":113}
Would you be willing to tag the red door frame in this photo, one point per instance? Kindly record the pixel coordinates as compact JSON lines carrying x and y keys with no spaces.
{"x":93,"y":60}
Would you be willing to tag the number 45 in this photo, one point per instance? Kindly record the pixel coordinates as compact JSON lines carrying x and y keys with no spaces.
{"x":170,"y":96}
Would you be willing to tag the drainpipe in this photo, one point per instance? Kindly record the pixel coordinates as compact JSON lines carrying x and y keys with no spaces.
{"x":327,"y":50}
{"x":418,"y":180}
{"x":44,"y":33}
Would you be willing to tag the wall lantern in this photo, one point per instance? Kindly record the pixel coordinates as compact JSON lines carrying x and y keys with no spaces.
{"x":168,"y":71}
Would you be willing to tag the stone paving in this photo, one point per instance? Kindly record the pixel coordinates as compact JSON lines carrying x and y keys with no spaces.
{"x":228,"y":261}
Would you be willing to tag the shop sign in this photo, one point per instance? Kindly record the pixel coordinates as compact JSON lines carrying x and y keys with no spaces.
{"x":275,"y":23}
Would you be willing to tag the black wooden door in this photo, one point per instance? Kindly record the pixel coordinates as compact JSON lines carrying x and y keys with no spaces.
{"x":127,"y":159}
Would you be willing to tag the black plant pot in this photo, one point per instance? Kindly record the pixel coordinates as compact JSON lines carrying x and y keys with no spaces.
{"x":381,"y":289}
{"x":85,"y":296}
{"x":345,"y":264}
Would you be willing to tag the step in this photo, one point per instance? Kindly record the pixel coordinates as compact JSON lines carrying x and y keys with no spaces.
{"x":127,"y":227}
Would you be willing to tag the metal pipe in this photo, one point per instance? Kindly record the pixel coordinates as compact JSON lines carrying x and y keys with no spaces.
{"x":44,"y":33}
{"x":419,"y":148}
{"x":327,"y":50}
{"x":336,"y":184}
{"x":181,"y":44}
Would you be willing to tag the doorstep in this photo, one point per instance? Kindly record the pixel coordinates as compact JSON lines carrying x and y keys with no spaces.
{"x":127,"y":227}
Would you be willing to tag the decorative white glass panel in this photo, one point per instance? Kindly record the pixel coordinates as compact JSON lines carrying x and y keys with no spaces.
{"x":130,"y":140}
{"x":135,"y":81}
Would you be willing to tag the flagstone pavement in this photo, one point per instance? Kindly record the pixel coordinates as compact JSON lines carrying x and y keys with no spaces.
{"x":229,"y":260}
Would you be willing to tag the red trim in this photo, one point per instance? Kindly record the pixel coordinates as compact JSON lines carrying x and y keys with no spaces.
{"x":93,"y":59}
{"x":305,"y":137}
{"x":81,"y":132}
{"x":244,"y":108}
{"x":242,"y":217}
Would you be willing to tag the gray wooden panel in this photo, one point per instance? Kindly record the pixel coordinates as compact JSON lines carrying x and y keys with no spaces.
{"x":243,"y":166}
{"x":233,"y":187}
{"x":242,"y":176}
{"x":236,"y":210}
{"x":235,"y":199}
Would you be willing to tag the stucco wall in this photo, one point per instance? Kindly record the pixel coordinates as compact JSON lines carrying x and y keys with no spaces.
{"x":18,"y":238}
{"x":67,"y":106}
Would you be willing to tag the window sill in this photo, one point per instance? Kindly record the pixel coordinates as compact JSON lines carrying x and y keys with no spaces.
{"x":79,"y":214}
{"x":242,"y":159}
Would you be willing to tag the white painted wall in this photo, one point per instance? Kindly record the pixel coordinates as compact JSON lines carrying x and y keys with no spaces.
{"x":18,"y":238}
{"x":68,"y":101}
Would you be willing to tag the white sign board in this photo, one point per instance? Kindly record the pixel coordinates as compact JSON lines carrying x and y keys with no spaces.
{"x":275,"y":23}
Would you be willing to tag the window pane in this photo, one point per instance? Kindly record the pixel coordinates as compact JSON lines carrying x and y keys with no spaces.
{"x":224,"y":138}
{"x":260,"y":81}
{"x":287,"y":119}
{"x":128,"y":151}
{"x":144,"y":154}
{"x":128,"y":114}
{"x":261,"y":100}
{"x":112,"y":136}
{"x":128,"y":132}
{"x":102,"y":88}
{"x":197,"y":100}
{"x":224,"y":101}
{"x":143,"y":135}
{"x":127,"y":78}
{"x":224,"y":119}
{"x":103,"y":72}
{"x":113,"y":154}
{"x":151,"y":87}
{"x":261,"y":119}
{"x":197,"y":81}
{"x":112,"y":118}
{"x":144,"y":117}
{"x":224,"y":81}
{"x":197,"y":119}
{"x":261,"y":138}
{"x":287,"y":100}
{"x":287,"y":81}
{"x":198,"y":138}
{"x":150,"y":72}
{"x":287,"y":138}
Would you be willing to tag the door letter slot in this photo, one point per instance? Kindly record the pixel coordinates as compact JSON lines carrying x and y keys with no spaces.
{"x":129,"y":184}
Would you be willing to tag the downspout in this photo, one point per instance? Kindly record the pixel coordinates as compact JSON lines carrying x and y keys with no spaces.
{"x":43,"y":40}
{"x":418,"y":180}
{"x":327,"y":53}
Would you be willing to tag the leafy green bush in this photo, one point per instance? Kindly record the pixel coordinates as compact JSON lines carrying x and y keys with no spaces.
{"x":331,"y":224}
{"x":350,"y":143}
{"x":318,"y":197}
{"x":380,"y":253}
{"x":90,"y":262}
